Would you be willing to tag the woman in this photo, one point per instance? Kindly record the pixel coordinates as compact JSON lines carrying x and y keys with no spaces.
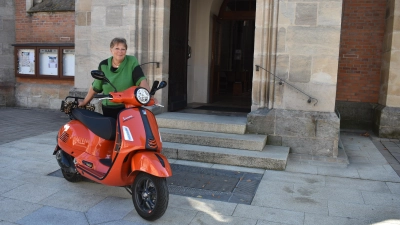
{"x":123,"y":71}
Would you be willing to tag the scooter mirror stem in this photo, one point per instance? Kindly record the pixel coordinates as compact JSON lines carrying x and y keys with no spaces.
{"x":154,"y":87}
{"x":99,"y":75}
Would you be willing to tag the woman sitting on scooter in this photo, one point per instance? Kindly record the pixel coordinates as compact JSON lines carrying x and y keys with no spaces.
{"x":123,"y":71}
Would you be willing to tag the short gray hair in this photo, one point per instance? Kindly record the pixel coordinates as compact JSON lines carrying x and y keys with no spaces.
{"x":118,"y":40}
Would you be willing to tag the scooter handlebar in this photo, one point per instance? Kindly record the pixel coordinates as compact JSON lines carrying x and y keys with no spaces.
{"x":103,"y":96}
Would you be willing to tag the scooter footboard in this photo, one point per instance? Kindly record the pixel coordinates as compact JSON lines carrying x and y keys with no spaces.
{"x":151,"y":162}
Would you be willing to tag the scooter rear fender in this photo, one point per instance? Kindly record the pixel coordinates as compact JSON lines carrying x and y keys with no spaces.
{"x":153,"y":163}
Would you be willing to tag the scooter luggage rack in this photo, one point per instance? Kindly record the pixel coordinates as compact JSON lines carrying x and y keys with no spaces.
{"x":67,"y":106}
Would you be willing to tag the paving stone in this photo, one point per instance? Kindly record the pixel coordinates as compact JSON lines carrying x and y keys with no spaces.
{"x":299,"y":167}
{"x":7,"y":185}
{"x":264,"y":222}
{"x":293,"y":203}
{"x":72,"y":201}
{"x":338,"y":172}
{"x":30,"y":193}
{"x":204,"y":205}
{"x":362,"y":211}
{"x":9,"y":173}
{"x":206,"y":218}
{"x":32,"y":166}
{"x":361,"y":159}
{"x":275,"y":187}
{"x":109,"y":209}
{"x":312,"y":219}
{"x":382,"y":199}
{"x":357,"y":184}
{"x":327,"y":193}
{"x":6,"y":223}
{"x":294,"y":177}
{"x":50,"y":215}
{"x":12,"y":210}
{"x":269,"y":214}
{"x":172,"y":216}
{"x":379,"y":173}
{"x":111,"y":191}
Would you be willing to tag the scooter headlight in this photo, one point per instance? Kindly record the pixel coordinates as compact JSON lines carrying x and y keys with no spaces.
{"x":142,"y":95}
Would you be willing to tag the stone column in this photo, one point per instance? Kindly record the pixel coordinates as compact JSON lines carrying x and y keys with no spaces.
{"x":144,"y":24}
{"x":387,"y":114}
{"x":297,"y":41}
{"x":7,"y":38}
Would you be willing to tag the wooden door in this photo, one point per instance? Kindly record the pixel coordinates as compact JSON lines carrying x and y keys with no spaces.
{"x":178,"y":54}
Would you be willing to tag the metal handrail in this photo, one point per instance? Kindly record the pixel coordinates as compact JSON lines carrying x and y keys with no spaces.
{"x":281,"y":81}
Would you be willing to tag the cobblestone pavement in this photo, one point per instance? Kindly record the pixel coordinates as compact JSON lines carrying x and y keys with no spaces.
{"x":18,"y":123}
{"x":390,"y":149}
{"x":367,"y":191}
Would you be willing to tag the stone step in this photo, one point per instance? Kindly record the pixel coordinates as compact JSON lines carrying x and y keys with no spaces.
{"x":252,"y":142}
{"x":271,"y":157}
{"x":202,"y":122}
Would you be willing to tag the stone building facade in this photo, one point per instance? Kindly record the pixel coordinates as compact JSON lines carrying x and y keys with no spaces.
{"x":35,"y":24}
{"x":313,"y":67}
{"x":7,"y":38}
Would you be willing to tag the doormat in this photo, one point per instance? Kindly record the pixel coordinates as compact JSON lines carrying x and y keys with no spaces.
{"x":223,"y":109}
{"x":208,"y":183}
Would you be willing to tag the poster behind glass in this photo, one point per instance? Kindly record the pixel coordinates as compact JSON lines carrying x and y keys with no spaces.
{"x":69,"y":62}
{"x":48,"y":62}
{"x":26,"y":61}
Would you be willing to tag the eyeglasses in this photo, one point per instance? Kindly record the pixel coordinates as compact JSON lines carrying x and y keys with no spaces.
{"x":119,"y":49}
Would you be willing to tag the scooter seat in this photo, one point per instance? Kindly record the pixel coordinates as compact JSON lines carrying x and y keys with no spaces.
{"x":102,"y":126}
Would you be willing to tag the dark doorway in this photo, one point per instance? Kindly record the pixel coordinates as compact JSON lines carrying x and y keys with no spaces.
{"x":232,"y":54}
{"x":178,"y":54}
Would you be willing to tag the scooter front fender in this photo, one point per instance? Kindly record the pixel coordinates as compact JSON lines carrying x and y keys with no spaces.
{"x":152,"y":163}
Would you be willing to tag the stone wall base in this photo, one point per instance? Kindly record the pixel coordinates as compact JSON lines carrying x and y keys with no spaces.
{"x":356,"y":115}
{"x":387,"y":122}
{"x":36,"y":95}
{"x":7,"y":93}
{"x":314,"y":134}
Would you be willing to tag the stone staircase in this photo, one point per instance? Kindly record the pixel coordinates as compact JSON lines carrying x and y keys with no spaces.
{"x":217,"y":139}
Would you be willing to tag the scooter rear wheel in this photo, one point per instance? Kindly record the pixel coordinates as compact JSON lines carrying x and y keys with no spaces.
{"x":71,"y":177}
{"x":150,"y":196}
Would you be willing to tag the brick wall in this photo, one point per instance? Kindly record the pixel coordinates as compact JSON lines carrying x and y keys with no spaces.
{"x":360,"y":58}
{"x":43,"y":27}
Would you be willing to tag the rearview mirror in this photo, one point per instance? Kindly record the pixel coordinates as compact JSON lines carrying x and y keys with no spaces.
{"x":163,"y":84}
{"x":154,"y":88}
{"x":99,"y":75}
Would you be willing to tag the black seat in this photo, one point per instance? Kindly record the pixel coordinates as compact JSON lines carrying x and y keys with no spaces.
{"x":104,"y":127}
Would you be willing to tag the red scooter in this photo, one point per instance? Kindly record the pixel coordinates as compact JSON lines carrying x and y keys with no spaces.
{"x":125,"y":152}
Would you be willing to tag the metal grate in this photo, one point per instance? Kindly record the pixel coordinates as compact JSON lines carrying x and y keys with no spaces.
{"x":208,"y":183}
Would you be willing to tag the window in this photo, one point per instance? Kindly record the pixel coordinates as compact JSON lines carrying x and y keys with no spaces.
{"x":45,"y":61}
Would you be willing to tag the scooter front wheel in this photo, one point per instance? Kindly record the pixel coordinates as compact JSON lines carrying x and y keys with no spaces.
{"x":150,"y":196}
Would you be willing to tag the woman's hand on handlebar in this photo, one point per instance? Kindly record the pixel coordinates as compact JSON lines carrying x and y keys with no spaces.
{"x":81,"y":102}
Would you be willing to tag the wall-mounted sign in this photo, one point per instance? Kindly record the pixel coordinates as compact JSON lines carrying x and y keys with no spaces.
{"x":26,"y":61}
{"x":69,"y":62}
{"x":48,"y":62}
